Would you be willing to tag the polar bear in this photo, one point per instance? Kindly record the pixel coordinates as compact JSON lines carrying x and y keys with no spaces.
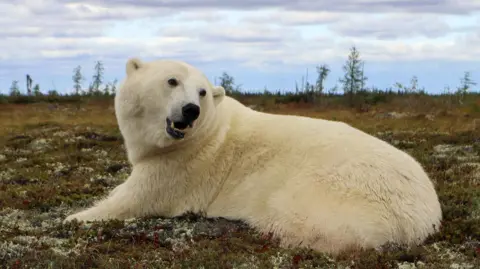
{"x":310,"y":182}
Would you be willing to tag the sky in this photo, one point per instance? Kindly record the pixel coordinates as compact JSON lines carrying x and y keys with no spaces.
{"x":262,"y":44}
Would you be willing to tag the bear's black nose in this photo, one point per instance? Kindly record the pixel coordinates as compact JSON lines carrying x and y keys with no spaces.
{"x":190,"y":112}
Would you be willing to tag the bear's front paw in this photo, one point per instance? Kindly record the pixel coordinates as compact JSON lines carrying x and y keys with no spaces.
{"x":72,"y":217}
{"x":81,"y":217}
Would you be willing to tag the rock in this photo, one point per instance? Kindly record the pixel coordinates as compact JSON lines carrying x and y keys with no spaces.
{"x":463,"y":153}
{"x":256,"y":107}
{"x":476,"y":124}
{"x":39,"y":144}
{"x":407,"y":265}
{"x":114,"y":168}
{"x":430,"y":117}
{"x":99,"y":137}
{"x":392,"y":115}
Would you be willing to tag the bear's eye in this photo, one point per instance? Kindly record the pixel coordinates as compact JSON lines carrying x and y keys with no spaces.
{"x":203,"y":92}
{"x":173,"y":82}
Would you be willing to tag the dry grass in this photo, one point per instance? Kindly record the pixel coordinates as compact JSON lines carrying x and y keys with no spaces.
{"x":55,"y":159}
{"x":14,"y":116}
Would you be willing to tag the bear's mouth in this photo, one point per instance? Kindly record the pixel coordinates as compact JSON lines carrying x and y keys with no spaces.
{"x":174,"y":132}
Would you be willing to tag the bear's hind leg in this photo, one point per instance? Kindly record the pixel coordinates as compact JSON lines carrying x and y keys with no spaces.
{"x":327,"y":222}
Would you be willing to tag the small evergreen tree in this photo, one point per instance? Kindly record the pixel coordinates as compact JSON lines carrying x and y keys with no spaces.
{"x":106,"y":90}
{"x":466,"y":83}
{"x":227,"y":82}
{"x":114,"y":86}
{"x":36,"y":90}
{"x":29,"y":84}
{"x":353,"y":80}
{"x":77,"y":78}
{"x":97,"y":77}
{"x":14,"y":90}
{"x":323,"y":72}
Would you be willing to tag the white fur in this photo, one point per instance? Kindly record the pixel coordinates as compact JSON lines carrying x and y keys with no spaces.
{"x":312,"y":182}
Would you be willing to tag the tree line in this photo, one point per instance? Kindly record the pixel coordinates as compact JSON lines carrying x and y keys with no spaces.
{"x":353,"y":83}
{"x":94,"y":89}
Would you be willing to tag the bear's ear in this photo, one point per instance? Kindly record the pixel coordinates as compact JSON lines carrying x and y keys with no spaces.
{"x":133,"y":64}
{"x":218,"y":93}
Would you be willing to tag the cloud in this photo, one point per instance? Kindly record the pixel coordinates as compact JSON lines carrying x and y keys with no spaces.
{"x":296,"y":18}
{"x":394,"y":26}
{"x":50,"y":29}
{"x":50,"y":19}
{"x":211,"y":17}
{"x":225,"y":32}
{"x":391,"y":6}
{"x":357,"y":6}
{"x":55,"y":18}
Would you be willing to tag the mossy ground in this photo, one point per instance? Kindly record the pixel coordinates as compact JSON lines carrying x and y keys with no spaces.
{"x":55,"y":160}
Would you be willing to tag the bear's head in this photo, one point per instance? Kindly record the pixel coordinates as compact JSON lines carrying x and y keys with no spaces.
{"x":165,"y":102}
